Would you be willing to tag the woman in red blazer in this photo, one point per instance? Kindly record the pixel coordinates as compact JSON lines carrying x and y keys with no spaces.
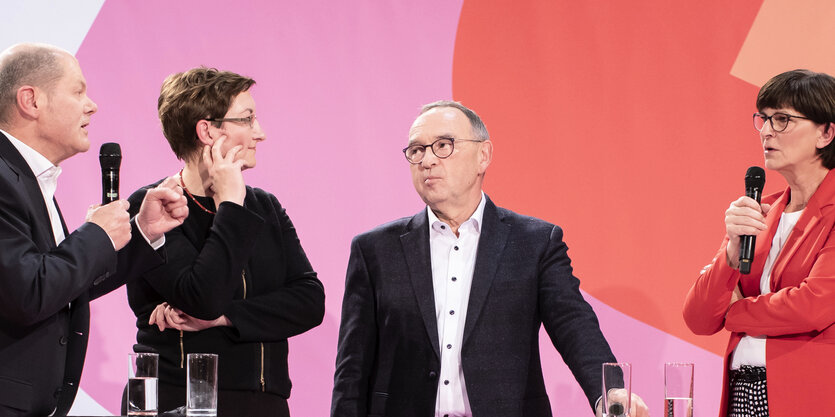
{"x":781,"y":355}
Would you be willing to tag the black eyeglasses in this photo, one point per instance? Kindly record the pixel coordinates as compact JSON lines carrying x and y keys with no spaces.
{"x":779,"y":121}
{"x":249,"y":120}
{"x":442,"y":148}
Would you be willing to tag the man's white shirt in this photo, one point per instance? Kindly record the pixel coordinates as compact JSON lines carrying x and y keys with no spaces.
{"x":453,"y":263}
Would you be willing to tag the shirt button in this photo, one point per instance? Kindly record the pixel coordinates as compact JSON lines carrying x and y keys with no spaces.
{"x":454,"y":279}
{"x":449,"y":346}
{"x":451,"y":312}
{"x":456,"y":248}
{"x":443,"y":227}
{"x":446,"y":382}
{"x":62,"y":340}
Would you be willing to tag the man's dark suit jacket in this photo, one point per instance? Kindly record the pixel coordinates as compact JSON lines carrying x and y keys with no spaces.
{"x":388,"y":359}
{"x":45,"y":292}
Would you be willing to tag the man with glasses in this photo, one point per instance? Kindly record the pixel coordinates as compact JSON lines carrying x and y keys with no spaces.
{"x":442,"y":310}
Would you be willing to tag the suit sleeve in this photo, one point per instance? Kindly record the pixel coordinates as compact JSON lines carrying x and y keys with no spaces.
{"x":291,"y":309}
{"x":36,"y":283}
{"x":807,"y":307}
{"x":202,"y":283}
{"x":708,"y":299}
{"x":132,"y":261}
{"x":356,"y":350}
{"x":570,"y":320}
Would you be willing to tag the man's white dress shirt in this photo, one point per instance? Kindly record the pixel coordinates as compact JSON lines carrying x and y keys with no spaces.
{"x":453,"y":262}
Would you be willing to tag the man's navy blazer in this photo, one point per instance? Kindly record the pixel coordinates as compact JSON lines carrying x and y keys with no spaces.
{"x":45,"y":292}
{"x":388,"y":358}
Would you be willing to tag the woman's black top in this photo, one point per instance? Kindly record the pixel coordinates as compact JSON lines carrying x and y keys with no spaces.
{"x":244,"y":262}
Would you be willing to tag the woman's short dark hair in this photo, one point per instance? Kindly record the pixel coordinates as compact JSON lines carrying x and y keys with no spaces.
{"x":197,"y":94}
{"x":810,"y":93}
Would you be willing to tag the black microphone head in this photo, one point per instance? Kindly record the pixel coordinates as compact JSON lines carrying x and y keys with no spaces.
{"x":755,"y":178}
{"x":616,"y":409}
{"x":110,"y":155}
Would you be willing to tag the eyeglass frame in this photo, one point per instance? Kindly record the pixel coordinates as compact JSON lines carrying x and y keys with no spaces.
{"x":769,"y":119}
{"x":432,"y":147}
{"x":250,"y":120}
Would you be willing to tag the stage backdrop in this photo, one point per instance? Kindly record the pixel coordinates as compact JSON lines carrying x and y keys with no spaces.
{"x":627,"y":123}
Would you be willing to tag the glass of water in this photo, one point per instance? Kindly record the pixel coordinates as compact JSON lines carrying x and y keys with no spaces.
{"x":142,"y":384}
{"x":617,"y":389}
{"x":201,"y":384}
{"x":678,"y":389}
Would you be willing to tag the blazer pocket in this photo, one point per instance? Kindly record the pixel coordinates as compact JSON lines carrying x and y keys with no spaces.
{"x":378,"y":404}
{"x":15,"y":394}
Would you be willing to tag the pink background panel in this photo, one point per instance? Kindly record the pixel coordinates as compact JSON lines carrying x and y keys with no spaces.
{"x":337,"y":87}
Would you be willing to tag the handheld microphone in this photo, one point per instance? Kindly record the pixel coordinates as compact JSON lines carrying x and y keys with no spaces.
{"x":110,"y":157}
{"x":754,"y":182}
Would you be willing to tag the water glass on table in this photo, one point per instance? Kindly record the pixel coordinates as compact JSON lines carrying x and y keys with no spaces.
{"x":617,"y":389}
{"x":142,"y":384}
{"x":201,"y":384}
{"x":678,"y":389}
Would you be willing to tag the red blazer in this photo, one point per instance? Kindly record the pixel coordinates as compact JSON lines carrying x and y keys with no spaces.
{"x":796,"y":317}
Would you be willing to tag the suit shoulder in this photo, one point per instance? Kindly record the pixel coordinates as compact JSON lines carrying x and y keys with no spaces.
{"x":528,"y":222}
{"x":261,"y":194}
{"x":394,"y":228}
{"x":262,"y":197}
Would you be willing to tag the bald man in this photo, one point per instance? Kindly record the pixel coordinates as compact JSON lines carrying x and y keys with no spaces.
{"x":48,"y":275}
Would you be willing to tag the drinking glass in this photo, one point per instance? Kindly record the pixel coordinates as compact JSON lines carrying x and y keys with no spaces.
{"x":142,"y":384}
{"x":201,"y":384}
{"x":617,"y":389}
{"x":678,"y":389}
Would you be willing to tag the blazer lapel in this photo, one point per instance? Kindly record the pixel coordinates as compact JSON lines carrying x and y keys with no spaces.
{"x":61,"y":216}
{"x":35,"y":198}
{"x":415,"y":244}
{"x":491,"y":244}
{"x":805,"y":226}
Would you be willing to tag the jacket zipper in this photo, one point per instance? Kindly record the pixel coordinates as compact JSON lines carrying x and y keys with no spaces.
{"x":182,"y":351}
{"x":263,"y":382}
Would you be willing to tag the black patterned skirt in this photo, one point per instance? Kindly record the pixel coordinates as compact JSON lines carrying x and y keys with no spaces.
{"x":748,"y":392}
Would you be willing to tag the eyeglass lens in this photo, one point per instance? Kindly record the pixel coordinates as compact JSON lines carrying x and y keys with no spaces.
{"x":779,"y":121}
{"x":442,"y":148}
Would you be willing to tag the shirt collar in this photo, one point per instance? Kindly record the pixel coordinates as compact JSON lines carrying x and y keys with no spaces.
{"x":38,"y":163}
{"x":435,"y":223}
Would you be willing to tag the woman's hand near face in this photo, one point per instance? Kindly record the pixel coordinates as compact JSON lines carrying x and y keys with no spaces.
{"x":743,"y":217}
{"x":225,"y":172}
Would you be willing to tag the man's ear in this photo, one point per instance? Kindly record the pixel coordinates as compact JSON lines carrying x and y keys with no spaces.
{"x":485,"y":156}
{"x":204,"y":133}
{"x":29,"y":101}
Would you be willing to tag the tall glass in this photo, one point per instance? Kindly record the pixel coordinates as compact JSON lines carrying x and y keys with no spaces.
{"x":678,"y":389}
{"x":142,"y":384}
{"x":617,"y":389}
{"x":201,"y":384}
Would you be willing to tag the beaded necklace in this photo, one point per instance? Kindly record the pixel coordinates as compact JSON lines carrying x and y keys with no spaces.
{"x":183,"y":184}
